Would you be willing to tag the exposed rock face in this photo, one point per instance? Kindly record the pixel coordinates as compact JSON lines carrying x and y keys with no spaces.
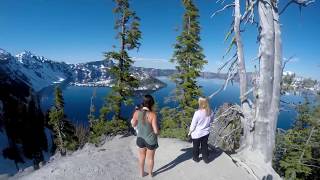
{"x":225,"y":131}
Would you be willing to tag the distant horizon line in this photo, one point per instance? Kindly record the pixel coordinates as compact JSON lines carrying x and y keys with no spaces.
{"x":136,"y":59}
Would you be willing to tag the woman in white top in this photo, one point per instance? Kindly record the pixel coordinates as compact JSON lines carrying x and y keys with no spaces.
{"x":199,"y":130}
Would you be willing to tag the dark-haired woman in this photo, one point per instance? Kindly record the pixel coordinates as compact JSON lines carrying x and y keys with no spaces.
{"x":145,"y":120}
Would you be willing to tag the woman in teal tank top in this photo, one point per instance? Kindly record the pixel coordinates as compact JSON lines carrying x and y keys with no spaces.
{"x":145,"y":120}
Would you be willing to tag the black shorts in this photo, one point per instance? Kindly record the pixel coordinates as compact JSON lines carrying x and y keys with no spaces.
{"x":141,"y":143}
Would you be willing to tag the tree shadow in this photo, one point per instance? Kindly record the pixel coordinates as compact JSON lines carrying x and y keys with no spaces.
{"x":186,"y":155}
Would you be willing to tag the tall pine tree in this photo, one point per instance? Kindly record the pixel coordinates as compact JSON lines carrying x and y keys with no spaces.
{"x":56,"y":116}
{"x":190,"y":60}
{"x":63,"y":129}
{"x":128,"y":33}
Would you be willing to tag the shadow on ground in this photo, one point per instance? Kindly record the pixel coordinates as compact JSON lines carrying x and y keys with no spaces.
{"x":186,"y":155}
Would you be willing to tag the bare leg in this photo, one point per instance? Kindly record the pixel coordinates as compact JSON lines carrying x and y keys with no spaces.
{"x":150,"y":158}
{"x":142,"y":157}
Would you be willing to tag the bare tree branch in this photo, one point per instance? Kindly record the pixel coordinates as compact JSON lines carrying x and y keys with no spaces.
{"x":224,"y":8}
{"x":220,"y":1}
{"x":248,"y":92}
{"x":232,"y":72}
{"x":249,"y":14}
{"x":310,"y":165}
{"x":227,"y":62}
{"x":308,"y":140}
{"x":287,"y":61}
{"x":303,"y":3}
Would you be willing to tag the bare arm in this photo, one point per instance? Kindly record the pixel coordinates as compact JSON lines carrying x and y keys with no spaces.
{"x":134,"y":120}
{"x":155,"y":124}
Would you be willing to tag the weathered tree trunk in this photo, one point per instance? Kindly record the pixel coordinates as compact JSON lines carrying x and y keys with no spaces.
{"x":60,"y":142}
{"x":241,"y":62}
{"x":277,"y":77}
{"x":264,"y":119}
{"x":259,"y":123}
{"x":259,"y":119}
{"x":247,"y":118}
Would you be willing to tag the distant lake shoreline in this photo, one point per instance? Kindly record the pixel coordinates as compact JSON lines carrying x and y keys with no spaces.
{"x":77,"y":99}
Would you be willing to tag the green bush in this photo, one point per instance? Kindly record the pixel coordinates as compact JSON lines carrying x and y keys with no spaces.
{"x":172,"y":124}
{"x":174,"y":133}
{"x":115,"y":127}
{"x":98,"y":129}
{"x":72,"y":145}
{"x":101,"y":128}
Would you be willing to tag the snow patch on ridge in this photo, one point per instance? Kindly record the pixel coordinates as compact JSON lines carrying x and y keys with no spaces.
{"x":39,"y":72}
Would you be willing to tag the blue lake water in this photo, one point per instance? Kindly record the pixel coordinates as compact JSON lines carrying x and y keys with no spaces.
{"x":77,"y":100}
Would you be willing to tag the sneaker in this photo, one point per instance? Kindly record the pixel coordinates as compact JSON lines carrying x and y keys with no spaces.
{"x":196,"y":159}
{"x":206,"y":161}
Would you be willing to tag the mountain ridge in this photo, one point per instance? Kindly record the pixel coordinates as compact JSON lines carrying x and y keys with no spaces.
{"x":39,"y":72}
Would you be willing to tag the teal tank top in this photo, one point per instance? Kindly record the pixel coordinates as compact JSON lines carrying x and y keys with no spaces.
{"x":145,"y":130}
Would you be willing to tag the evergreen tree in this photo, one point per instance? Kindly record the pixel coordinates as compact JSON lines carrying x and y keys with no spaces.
{"x":301,"y":155}
{"x":127,"y":27}
{"x":190,"y":60}
{"x":56,"y":115}
{"x":62,"y":127}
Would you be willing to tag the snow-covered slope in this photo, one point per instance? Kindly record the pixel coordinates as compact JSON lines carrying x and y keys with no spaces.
{"x":117,"y":159}
{"x":97,"y":73}
{"x":40,"y":72}
{"x":36,"y":71}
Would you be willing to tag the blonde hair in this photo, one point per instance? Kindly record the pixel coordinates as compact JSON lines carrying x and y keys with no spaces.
{"x":204,"y":104}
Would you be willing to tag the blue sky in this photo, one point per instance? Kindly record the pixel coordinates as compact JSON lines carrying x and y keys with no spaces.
{"x":81,"y":30}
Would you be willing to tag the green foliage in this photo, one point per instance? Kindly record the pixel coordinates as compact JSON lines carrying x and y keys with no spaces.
{"x":98,"y":129}
{"x":64,"y":131}
{"x":295,"y":141}
{"x":127,"y":26}
{"x":102,"y":128}
{"x":188,"y":56}
{"x":58,"y":101}
{"x":299,"y":146}
{"x":115,"y":127}
{"x":171,"y":124}
{"x":304,"y":116}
